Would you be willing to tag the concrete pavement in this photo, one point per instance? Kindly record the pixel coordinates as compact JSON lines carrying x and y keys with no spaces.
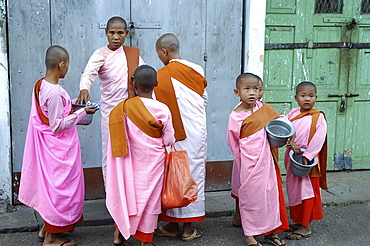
{"x":344,"y":188}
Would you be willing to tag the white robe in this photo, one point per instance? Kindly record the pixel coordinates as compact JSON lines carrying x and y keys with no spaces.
{"x":194,"y":121}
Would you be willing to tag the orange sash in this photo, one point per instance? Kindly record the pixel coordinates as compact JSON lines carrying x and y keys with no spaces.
{"x":165,"y":92}
{"x":42,"y":116}
{"x":320,"y":169}
{"x":258,"y":120}
{"x":132,"y":56}
{"x":137,"y":112}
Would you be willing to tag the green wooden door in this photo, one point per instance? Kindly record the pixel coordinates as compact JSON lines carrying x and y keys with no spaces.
{"x":325,"y":42}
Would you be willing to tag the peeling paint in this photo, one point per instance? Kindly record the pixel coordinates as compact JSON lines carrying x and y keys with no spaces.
{"x":5,"y":155}
{"x":3,"y":24}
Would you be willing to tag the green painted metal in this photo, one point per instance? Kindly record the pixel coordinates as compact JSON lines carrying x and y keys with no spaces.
{"x":339,"y":67}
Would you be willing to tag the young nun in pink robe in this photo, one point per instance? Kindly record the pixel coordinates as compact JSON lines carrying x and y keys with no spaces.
{"x":261,"y":205}
{"x":52,"y":180}
{"x":304,"y":192}
{"x":235,"y":177}
{"x":114,"y":64}
{"x":135,"y":176}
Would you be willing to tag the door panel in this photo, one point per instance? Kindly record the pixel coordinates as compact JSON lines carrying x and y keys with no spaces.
{"x":326,"y":62}
{"x":169,"y":16}
{"x":223,"y":54}
{"x":361,"y":150}
{"x":26,"y":55}
{"x":332,"y":43}
{"x":281,"y":6}
{"x":280,"y":64}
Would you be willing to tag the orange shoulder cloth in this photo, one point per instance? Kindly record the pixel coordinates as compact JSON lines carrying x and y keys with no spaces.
{"x":165,"y":93}
{"x":42,"y":116}
{"x":320,"y":169}
{"x":137,"y":112}
{"x":258,"y":120}
{"x":132,"y":57}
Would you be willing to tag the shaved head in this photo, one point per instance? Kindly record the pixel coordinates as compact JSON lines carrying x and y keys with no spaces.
{"x":116,"y":19}
{"x":168,"y":41}
{"x":247,"y":76}
{"x":304,"y":84}
{"x":145,"y":78}
{"x":54,"y":55}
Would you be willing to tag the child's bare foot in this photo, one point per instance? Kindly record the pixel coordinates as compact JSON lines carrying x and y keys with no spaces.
{"x":274,"y":239}
{"x":147,"y":244}
{"x":169,"y":230}
{"x":42,"y":232}
{"x":237,"y":222}
{"x":300,"y":233}
{"x":61,"y":242}
{"x":295,"y":226}
{"x":188,"y":233}
{"x":52,"y":240}
{"x":118,"y":238}
{"x":251,"y":241}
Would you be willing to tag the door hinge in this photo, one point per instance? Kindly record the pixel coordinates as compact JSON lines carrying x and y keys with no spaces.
{"x":205,"y":57}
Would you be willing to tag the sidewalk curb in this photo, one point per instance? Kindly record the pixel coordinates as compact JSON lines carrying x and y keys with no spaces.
{"x":345,"y":188}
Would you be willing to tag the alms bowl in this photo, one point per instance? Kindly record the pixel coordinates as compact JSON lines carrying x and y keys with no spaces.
{"x":88,"y":119}
{"x":296,"y":165}
{"x":279,"y":131}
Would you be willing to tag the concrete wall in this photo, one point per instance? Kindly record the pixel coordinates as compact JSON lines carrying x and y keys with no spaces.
{"x":254,"y":36}
{"x":5,"y":157}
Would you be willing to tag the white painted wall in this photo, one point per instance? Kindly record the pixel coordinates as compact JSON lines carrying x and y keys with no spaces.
{"x":5,"y":144}
{"x":254,"y":36}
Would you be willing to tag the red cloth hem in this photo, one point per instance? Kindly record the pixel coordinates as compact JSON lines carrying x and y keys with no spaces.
{"x":309,"y":209}
{"x":59,"y":229}
{"x":144,"y":237}
{"x":235,"y":197}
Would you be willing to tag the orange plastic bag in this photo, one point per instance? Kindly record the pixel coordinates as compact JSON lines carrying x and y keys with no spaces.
{"x":179,"y":188}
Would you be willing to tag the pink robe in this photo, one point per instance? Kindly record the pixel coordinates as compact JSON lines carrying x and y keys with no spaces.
{"x":111,"y":67}
{"x":134,"y":181}
{"x":256,"y":177}
{"x":52,"y":180}
{"x":300,"y":188}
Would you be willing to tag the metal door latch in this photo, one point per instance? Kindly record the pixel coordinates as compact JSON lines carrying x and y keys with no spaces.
{"x":351,"y":24}
{"x":351,"y":95}
{"x":144,"y":25}
{"x":342,"y":106}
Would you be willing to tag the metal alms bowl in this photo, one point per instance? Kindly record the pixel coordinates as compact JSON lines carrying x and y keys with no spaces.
{"x":88,"y":119}
{"x":296,"y":164}
{"x":278,"y":131}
